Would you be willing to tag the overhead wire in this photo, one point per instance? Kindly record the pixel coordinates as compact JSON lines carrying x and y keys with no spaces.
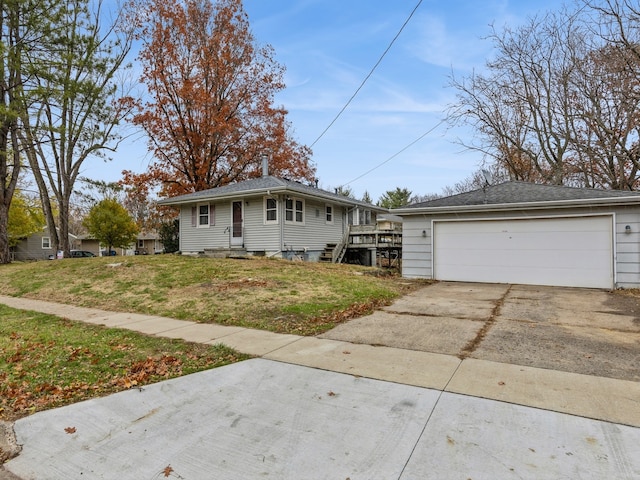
{"x":368,"y":75}
{"x":397,"y":153}
{"x":414,"y":141}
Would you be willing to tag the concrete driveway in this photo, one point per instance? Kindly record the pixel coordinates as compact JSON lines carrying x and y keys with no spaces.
{"x":583,"y":331}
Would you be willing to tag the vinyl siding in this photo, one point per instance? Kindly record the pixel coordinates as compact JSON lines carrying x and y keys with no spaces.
{"x":313,"y":234}
{"x":417,"y":255}
{"x":416,"y":249}
{"x":194,"y":239}
{"x":31,"y":248}
{"x":258,"y":236}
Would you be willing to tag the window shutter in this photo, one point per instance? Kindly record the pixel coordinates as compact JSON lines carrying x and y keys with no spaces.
{"x":212,"y":214}
{"x":194,"y":216}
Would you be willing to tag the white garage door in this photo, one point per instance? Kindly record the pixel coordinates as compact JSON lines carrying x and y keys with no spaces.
{"x":575,"y":251}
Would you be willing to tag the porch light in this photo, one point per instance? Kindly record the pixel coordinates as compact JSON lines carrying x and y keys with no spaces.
{"x":627,"y":229}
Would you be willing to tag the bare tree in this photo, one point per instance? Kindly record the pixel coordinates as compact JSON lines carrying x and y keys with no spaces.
{"x":605,"y":127}
{"x":520,"y":107}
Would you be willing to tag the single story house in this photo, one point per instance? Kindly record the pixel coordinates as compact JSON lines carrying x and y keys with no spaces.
{"x":38,"y":246}
{"x":268,"y":216}
{"x":524,"y":233}
{"x":90,"y":244}
{"x":147,"y":243}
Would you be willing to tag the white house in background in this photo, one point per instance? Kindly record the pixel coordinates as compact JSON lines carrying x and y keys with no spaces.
{"x":269,"y":216}
{"x":523,"y":233}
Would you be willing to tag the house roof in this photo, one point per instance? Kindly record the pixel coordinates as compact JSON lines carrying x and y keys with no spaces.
{"x":266,"y":185}
{"x":521,"y":195}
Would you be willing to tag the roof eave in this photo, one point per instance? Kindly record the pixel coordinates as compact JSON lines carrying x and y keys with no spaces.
{"x":206,"y":198}
{"x":266,"y":191}
{"x":582,"y":203}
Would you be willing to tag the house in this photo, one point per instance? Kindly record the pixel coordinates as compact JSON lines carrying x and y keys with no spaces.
{"x":269,"y":216}
{"x":518,"y":232}
{"x":146,"y":243}
{"x":90,"y":244}
{"x":38,"y":246}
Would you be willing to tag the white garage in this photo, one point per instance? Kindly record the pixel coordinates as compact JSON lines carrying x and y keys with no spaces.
{"x":523,"y":233}
{"x":568,"y":251}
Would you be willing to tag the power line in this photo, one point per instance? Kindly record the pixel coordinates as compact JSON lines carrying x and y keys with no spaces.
{"x":368,"y":75}
{"x":397,"y":153}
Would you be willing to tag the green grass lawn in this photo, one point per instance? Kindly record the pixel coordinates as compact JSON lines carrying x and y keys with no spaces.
{"x":46,"y":361}
{"x":303,"y":298}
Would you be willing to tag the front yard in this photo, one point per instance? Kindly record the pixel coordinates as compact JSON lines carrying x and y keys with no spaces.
{"x":46,"y":361}
{"x":277,"y":295}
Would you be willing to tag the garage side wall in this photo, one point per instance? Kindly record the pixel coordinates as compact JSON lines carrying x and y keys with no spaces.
{"x":417,"y":239}
{"x":628,"y":248}
{"x":416,"y":247}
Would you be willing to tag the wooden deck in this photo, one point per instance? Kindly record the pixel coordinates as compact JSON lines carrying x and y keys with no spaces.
{"x":364,"y":240}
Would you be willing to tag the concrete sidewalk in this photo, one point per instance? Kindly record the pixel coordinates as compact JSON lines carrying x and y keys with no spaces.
{"x":396,"y":414}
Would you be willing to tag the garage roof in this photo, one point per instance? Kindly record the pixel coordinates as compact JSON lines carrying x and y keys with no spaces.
{"x":519,"y":195}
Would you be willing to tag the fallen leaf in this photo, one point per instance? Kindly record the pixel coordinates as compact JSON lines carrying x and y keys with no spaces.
{"x":331,"y":394}
{"x":501,"y":383}
{"x":167,"y":470}
{"x":70,"y":430}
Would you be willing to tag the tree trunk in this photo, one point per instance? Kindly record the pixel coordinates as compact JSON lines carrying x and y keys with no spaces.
{"x":5,"y":257}
{"x":63,"y":228}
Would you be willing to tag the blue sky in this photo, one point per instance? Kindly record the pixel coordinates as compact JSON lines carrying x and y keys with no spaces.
{"x":329,"y":46}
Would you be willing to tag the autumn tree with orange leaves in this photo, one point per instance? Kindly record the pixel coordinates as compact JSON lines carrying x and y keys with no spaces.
{"x":209,"y":108}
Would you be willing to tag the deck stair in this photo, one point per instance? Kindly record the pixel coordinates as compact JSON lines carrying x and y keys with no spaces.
{"x":327,"y":253}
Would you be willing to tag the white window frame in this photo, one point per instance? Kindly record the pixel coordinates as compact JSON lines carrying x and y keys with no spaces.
{"x":266,"y":210}
{"x":210,"y":215}
{"x":328,"y":214}
{"x":294,"y":211}
{"x":46,"y":243}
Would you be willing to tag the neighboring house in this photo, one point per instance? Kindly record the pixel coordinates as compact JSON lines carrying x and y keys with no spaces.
{"x":524,"y":233}
{"x":269,"y":216}
{"x":89,"y":244}
{"x":146,"y":243}
{"x":38,"y":246}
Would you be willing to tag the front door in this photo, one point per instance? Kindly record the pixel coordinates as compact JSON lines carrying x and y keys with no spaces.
{"x":236,"y":224}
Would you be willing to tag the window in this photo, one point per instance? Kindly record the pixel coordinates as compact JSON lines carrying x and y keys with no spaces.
{"x":294,"y":210}
{"x":140,"y":243}
{"x":270,"y":210}
{"x":203,"y":215}
{"x":46,"y":243}
{"x":328,"y":213}
{"x":299,"y":211}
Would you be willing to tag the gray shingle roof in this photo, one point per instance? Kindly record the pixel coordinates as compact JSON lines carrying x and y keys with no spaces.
{"x":521,"y":192}
{"x":262,"y":185}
